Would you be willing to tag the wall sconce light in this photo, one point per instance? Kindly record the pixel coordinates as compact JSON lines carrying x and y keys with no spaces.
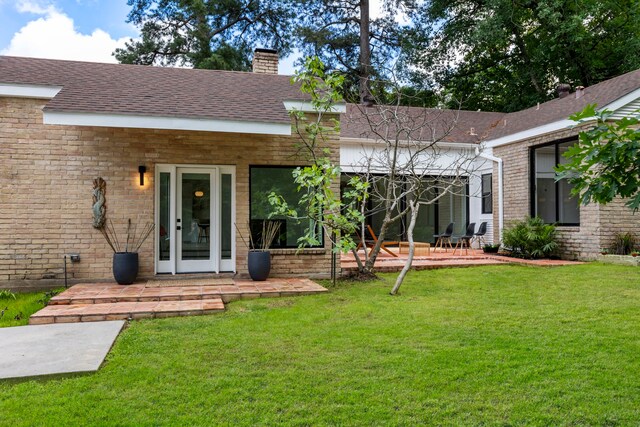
{"x":142,"y":169}
{"x":199,"y":193}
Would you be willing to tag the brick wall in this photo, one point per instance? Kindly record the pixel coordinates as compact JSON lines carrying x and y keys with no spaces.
{"x":46,"y":182}
{"x":597,"y":223}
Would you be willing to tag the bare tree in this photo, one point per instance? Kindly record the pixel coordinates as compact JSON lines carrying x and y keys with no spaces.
{"x":410,"y":161}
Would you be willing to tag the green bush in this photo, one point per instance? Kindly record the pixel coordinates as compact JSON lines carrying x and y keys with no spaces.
{"x":530,"y":238}
{"x":623,"y":244}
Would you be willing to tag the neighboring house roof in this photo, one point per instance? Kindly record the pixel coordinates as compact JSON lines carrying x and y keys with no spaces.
{"x":426,"y":124}
{"x":137,"y":90}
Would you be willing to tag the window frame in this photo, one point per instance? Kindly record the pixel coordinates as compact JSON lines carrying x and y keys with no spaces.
{"x":292,"y":167}
{"x":487,"y":195}
{"x":532,"y":180}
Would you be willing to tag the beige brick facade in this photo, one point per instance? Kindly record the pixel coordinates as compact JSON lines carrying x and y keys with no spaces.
{"x":598,"y":224}
{"x":46,"y":180}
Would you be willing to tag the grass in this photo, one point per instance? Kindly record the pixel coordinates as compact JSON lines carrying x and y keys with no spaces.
{"x":16,"y":311}
{"x":499,"y":345}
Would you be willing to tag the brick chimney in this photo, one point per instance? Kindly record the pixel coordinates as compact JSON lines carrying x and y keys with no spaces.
{"x":265,"y":61}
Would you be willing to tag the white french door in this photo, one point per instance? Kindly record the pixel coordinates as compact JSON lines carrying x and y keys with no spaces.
{"x":195,"y":210}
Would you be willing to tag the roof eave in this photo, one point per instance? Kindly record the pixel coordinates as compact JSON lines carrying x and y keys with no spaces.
{"x":166,"y":123}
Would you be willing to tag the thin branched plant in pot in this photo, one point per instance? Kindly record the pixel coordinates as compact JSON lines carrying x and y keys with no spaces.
{"x":259,"y":256}
{"x":125,"y":251}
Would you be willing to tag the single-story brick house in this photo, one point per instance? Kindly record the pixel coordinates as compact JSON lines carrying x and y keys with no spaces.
{"x":212,"y":144}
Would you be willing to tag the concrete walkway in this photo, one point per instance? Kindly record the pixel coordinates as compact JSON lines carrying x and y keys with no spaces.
{"x":37,"y":350}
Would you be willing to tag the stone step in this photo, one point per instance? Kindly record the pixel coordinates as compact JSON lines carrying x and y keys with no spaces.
{"x":71,"y":313}
{"x":102,"y":293}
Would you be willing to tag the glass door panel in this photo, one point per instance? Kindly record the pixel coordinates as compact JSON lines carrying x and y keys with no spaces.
{"x":195,"y":220}
{"x":164,"y":213}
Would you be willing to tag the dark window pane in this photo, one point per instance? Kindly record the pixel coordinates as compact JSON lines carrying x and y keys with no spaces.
{"x":226,"y":226}
{"x":164,"y":242}
{"x":487,"y":195}
{"x":265,"y":180}
{"x":569,"y":209}
{"x":552,"y":200}
{"x":545,"y":161}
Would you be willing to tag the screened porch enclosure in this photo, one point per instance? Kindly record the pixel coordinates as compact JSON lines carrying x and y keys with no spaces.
{"x":433,"y":218}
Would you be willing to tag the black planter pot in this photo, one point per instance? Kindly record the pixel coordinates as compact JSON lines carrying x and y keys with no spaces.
{"x":259,"y":265}
{"x":125,"y":267}
{"x":491,"y":250}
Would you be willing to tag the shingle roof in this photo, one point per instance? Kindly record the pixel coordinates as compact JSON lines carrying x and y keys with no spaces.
{"x":489,"y":126}
{"x":155,"y":91}
{"x":228,"y":95}
{"x":557,"y":109}
{"x":426,"y":123}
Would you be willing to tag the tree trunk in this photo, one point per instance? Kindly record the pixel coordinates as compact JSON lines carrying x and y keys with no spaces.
{"x":407,"y":265}
{"x":365,"y":54}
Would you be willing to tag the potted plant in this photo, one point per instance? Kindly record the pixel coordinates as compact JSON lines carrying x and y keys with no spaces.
{"x":125,"y":258}
{"x":604,"y":251}
{"x":491,"y":248}
{"x":635,"y":254}
{"x":259,"y":257}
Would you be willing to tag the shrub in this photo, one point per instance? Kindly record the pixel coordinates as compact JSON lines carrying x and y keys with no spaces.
{"x":623,"y":244}
{"x":530,"y":238}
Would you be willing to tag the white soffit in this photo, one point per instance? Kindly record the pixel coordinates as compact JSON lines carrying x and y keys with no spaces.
{"x":169,"y":123}
{"x":625,"y":106}
{"x":307,"y":107}
{"x":29,"y":91}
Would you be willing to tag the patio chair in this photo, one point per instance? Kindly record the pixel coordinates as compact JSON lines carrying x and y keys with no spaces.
{"x":465,"y":241}
{"x":479,"y":236}
{"x":370,"y":243}
{"x":444,"y":238}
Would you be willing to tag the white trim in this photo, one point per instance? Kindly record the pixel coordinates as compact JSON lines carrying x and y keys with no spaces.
{"x":29,"y":91}
{"x":307,"y":107}
{"x":499,"y":162}
{"x":172,"y":123}
{"x":621,"y":102}
{"x":373,"y":142}
{"x":530,"y":133}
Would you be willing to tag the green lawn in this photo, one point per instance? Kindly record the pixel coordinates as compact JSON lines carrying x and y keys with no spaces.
{"x":500,"y":345}
{"x":16,"y":311}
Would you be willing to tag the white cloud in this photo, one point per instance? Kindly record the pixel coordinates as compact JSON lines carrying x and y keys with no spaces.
{"x":53,"y":36}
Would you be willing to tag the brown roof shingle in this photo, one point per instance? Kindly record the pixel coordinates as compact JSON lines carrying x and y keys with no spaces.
{"x":155,"y":91}
{"x":425,"y":124}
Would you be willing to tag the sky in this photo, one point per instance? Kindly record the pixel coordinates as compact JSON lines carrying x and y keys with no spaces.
{"x":83,"y":30}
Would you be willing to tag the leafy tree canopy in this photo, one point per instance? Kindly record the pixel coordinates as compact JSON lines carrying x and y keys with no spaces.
{"x":506,"y":55}
{"x":333,"y":31}
{"x":215,"y":34}
{"x":605,"y":163}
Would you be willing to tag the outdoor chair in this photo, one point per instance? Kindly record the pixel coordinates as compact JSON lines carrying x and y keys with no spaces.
{"x":370,"y":243}
{"x":465,"y":241}
{"x":479,"y":236}
{"x":444,"y":238}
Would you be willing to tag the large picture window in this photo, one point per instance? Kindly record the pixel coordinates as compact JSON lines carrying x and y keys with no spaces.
{"x":551,"y":200}
{"x":487,"y":194}
{"x":278,"y":179}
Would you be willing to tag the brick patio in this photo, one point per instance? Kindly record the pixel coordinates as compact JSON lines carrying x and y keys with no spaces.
{"x":94,"y":302}
{"x":444,"y":259}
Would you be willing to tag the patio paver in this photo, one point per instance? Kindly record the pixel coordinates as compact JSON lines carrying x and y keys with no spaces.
{"x":94,"y":302}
